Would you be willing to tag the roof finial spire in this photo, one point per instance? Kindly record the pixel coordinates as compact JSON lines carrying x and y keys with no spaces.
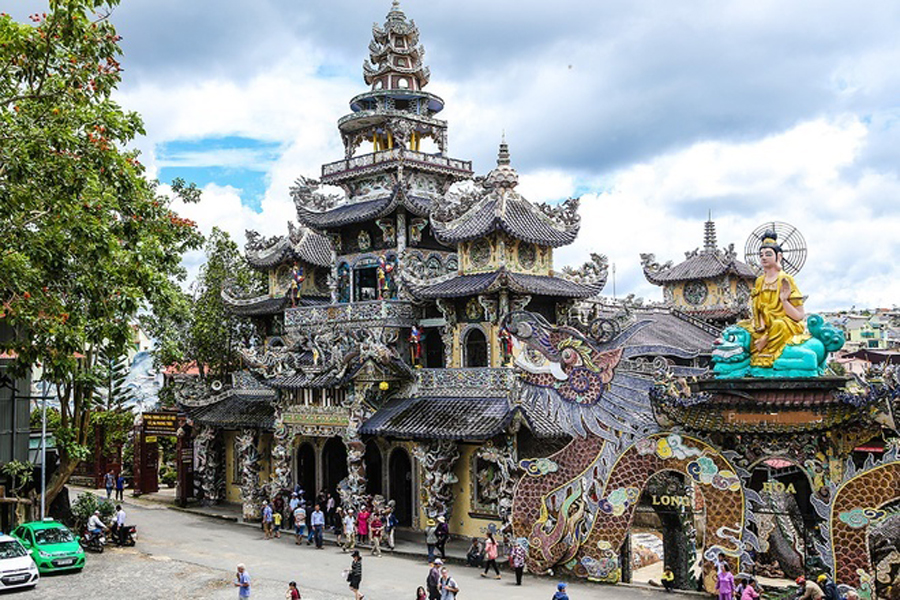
{"x":709,"y":235}
{"x":503,"y":154}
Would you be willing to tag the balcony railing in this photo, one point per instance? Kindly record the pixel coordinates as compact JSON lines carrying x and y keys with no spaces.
{"x":395,"y":313}
{"x":482,"y":382}
{"x":335,"y":169}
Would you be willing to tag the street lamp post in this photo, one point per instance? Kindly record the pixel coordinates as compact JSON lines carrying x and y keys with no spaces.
{"x":43,"y":454}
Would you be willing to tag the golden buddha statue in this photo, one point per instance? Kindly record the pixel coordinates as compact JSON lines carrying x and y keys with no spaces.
{"x":776,"y":307}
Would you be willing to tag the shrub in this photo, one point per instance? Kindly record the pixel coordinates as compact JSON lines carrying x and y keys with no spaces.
{"x":86,"y":504}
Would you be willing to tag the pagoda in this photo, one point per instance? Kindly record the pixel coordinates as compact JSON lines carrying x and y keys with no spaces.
{"x":710,"y":284}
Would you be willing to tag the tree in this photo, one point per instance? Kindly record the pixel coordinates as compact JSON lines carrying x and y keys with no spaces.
{"x":203,"y":330}
{"x":86,"y":240}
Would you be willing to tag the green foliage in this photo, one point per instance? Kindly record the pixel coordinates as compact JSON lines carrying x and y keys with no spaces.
{"x":168,"y":476}
{"x":86,"y":241}
{"x":20,"y":475}
{"x":85,"y":505}
{"x":202,"y":330}
{"x":115,"y":425}
{"x":52,"y":419}
{"x":114,"y":369}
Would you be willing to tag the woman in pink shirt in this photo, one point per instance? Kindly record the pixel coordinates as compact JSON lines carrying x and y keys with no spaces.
{"x":725,"y":583}
{"x":362,"y":524}
{"x":750,"y":592}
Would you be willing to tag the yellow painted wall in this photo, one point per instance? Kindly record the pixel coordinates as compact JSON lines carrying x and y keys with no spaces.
{"x":713,"y":297}
{"x":232,"y":488}
{"x":460,"y":522}
{"x":280,"y":280}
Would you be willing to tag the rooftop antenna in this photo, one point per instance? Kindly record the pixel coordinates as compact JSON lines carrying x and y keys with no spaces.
{"x":614,"y":280}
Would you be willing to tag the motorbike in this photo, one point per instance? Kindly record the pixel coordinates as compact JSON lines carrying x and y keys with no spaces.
{"x":93,"y":541}
{"x":130,"y":535}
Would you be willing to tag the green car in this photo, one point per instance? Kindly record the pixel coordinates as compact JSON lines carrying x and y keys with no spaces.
{"x":52,"y":545}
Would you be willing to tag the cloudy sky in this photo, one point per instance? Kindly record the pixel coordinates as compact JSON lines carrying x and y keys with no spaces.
{"x":655,"y":113}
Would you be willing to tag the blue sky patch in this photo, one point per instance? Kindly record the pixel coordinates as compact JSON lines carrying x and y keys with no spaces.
{"x":239,"y":162}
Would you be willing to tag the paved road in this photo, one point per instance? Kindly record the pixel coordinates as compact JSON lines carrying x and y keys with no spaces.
{"x":186,"y":556}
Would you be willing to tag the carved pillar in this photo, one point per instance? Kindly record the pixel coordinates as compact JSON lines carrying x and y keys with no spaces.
{"x":437,"y":459}
{"x":280,"y":478}
{"x":248,"y":454}
{"x":401,"y":245}
{"x":501,"y":489}
{"x":449,"y":311}
{"x":353,"y":487}
{"x":210,"y":451}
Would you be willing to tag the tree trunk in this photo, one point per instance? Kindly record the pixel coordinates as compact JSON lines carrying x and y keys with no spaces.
{"x":59,"y":479}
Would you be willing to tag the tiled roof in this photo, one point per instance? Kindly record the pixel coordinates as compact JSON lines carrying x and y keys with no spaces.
{"x":467,"y":285}
{"x":440,"y":418}
{"x":507,"y":211}
{"x":703,"y":417}
{"x":347,"y":214}
{"x":240,"y":408}
{"x":703,"y":265}
{"x":266,"y":305}
{"x":541,"y":425}
{"x":303,"y":245}
{"x":669,"y":330}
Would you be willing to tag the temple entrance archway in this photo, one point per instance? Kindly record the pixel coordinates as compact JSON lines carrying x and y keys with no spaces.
{"x":400,"y":485}
{"x":334,"y":464}
{"x":664,"y":531}
{"x":476,"y":348}
{"x":786,"y":522}
{"x":306,"y":470}
{"x":373,"y":468}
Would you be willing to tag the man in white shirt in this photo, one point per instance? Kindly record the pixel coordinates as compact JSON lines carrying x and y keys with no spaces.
{"x":120,"y":524}
{"x":95,"y":523}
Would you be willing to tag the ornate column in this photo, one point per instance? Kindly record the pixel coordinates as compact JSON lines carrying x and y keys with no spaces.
{"x":401,"y":245}
{"x":500,"y":489}
{"x":437,"y":459}
{"x":210,"y":463}
{"x":449,"y":311}
{"x":353,"y":487}
{"x":248,"y":454}
{"x":280,"y":479}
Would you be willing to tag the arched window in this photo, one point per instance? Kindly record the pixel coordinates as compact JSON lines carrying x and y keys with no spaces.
{"x":476,"y":349}
{"x":403,"y":83}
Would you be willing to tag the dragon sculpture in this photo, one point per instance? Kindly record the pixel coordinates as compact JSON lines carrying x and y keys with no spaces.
{"x":575,"y":506}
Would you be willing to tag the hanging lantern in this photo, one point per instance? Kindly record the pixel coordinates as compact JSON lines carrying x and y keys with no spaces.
{"x":383,"y":386}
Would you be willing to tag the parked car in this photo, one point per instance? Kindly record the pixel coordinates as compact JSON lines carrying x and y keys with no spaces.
{"x":52,"y":545}
{"x":17,"y":569}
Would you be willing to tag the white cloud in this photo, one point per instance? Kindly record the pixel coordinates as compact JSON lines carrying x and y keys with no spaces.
{"x":797,"y":176}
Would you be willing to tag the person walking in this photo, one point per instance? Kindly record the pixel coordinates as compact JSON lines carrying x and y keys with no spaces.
{"x":443,"y":534}
{"x":292,"y":506}
{"x":354,"y":577}
{"x":349,"y":531}
{"x":449,"y":587}
{"x":267,"y":519}
{"x":390,"y":523}
{"x":491,"y":550}
{"x":276,"y":523}
{"x":433,"y":581}
{"x":560,"y":592}
{"x":292,"y":592}
{"x":299,"y":523}
{"x":377,"y":530}
{"x":120,"y":487}
{"x":725,"y":583}
{"x":430,"y":538}
{"x":362,"y":524}
{"x":109,"y":480}
{"x":339,"y":526}
{"x":317,"y":520}
{"x":517,"y":560}
{"x":242,"y":581}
